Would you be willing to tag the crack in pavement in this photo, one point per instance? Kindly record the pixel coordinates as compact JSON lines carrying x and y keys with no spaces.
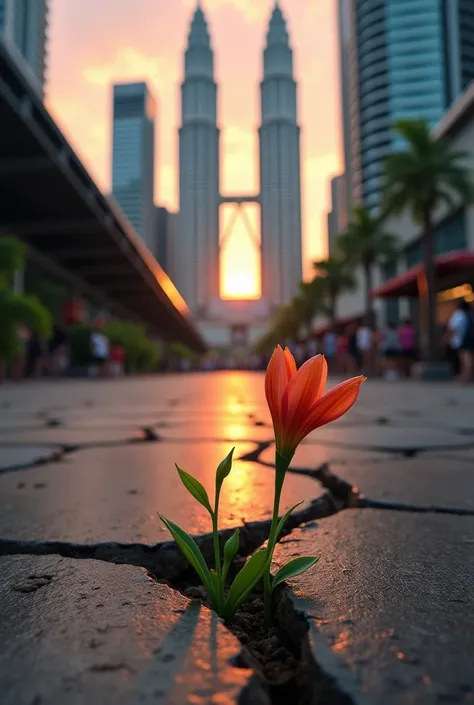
{"x":165,"y":559}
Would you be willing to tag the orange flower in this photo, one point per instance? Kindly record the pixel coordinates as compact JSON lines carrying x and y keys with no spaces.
{"x":296,"y":400}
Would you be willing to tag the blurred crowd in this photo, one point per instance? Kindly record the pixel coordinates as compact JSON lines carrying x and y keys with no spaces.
{"x":361,"y":348}
{"x":38,"y":357}
{"x":389,"y":351}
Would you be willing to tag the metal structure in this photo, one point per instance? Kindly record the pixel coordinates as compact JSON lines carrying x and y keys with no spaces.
{"x":279,"y":197}
{"x":48,"y":199}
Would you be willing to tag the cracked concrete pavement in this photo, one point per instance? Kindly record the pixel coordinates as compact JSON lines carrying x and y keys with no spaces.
{"x":389,"y":605}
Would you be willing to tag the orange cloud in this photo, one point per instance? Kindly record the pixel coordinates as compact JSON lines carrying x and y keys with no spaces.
{"x":95,"y":43}
{"x":128,"y":64}
{"x":252,"y":10}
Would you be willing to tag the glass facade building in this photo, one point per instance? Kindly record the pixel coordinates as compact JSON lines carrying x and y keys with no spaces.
{"x":409,"y":59}
{"x":23,"y":25}
{"x":133,"y":156}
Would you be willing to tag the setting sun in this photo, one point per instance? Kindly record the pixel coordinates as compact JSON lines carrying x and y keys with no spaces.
{"x":240,"y":251}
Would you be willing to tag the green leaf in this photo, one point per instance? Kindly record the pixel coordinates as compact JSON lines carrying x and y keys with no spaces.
{"x":292,"y":568}
{"x":282,"y":523}
{"x":223,"y":469}
{"x":230,"y":549}
{"x":244,"y":582}
{"x":195,"y":488}
{"x":192,"y":553}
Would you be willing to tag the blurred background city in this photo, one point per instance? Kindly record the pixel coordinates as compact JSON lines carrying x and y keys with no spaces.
{"x":184,"y":185}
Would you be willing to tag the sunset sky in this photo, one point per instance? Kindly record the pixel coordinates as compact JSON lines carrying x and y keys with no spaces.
{"x":93,"y":44}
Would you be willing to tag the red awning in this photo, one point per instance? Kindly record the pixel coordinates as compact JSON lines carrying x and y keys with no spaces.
{"x":406,"y":284}
{"x":321,"y":330}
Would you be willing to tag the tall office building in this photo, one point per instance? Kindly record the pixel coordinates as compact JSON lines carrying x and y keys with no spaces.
{"x":338,"y":215}
{"x":197,"y":268}
{"x":134,"y":111}
{"x":407,"y":59}
{"x":164,"y":250}
{"x":23,"y":26}
{"x":280,"y":186}
{"x":197,"y":271}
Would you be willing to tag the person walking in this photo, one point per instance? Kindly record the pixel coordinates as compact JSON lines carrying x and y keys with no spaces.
{"x":390,"y":348}
{"x":466,"y":350}
{"x":57,"y":351}
{"x":100,"y":348}
{"x":329,"y":348}
{"x":364,"y":341}
{"x":454,"y":337}
{"x":353,"y":351}
{"x":406,"y":339}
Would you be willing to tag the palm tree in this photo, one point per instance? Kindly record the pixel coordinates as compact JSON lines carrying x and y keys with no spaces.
{"x":16,"y":308}
{"x":365,"y":244}
{"x":336,"y":277}
{"x":309,"y":301}
{"x":427,"y":174}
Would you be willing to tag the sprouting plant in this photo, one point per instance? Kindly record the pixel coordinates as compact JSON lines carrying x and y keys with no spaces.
{"x":297,"y":405}
{"x":214,"y":581}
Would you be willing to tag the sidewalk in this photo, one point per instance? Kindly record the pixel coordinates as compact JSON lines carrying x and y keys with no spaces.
{"x":389,"y":606}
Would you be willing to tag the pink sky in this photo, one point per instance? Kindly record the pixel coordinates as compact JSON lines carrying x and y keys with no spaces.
{"x":93,"y":44}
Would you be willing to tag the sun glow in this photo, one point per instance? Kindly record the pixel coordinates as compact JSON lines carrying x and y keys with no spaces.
{"x":240,"y":251}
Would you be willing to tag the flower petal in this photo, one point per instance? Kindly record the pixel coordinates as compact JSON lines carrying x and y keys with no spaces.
{"x":276,"y":380}
{"x":290,"y":363}
{"x":303,"y":390}
{"x":331,"y":406}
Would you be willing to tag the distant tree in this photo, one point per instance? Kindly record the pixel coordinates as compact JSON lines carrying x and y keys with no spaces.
{"x":336,"y":276}
{"x":309,"y":302}
{"x":423,"y":176}
{"x":365,"y":244}
{"x":17,"y":309}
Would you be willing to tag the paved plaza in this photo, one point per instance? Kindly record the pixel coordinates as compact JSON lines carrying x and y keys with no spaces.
{"x":389,"y":506}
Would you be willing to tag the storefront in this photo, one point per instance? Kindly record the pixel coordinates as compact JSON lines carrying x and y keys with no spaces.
{"x":455,"y":276}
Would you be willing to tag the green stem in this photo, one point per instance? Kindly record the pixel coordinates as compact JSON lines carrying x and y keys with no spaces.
{"x":217,"y":556}
{"x":282,"y":464}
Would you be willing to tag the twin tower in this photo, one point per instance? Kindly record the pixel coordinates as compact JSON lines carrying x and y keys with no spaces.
{"x":197,"y":272}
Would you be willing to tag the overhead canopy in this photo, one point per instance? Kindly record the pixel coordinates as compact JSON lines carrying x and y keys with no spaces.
{"x":346,"y":321}
{"x":448,"y":266}
{"x":48,"y":199}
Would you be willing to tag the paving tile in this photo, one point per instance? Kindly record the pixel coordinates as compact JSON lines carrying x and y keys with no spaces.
{"x":88,"y":632}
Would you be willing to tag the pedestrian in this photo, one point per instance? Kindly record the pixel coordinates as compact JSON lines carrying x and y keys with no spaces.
{"x":467,"y":348}
{"x":330,"y":347}
{"x":390,"y":348}
{"x":117,"y":360}
{"x":406,"y":339}
{"x":354,"y":355}
{"x":342,"y":352}
{"x":455,"y":334}
{"x":364,"y":340}
{"x":57,"y":351}
{"x":100,"y":350}
{"x":35,"y":356}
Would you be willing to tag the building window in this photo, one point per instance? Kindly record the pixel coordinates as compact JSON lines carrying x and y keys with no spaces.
{"x":450,"y":236}
{"x":392,"y":306}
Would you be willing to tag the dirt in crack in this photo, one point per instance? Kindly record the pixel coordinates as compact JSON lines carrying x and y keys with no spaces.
{"x":279,"y":655}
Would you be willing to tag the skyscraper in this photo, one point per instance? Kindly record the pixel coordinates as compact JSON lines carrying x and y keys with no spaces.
{"x":407,"y":60}
{"x":165,"y":225}
{"x":197,"y":270}
{"x":280,"y":187}
{"x":23,"y":25}
{"x":338,"y":215}
{"x":134,"y":113}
